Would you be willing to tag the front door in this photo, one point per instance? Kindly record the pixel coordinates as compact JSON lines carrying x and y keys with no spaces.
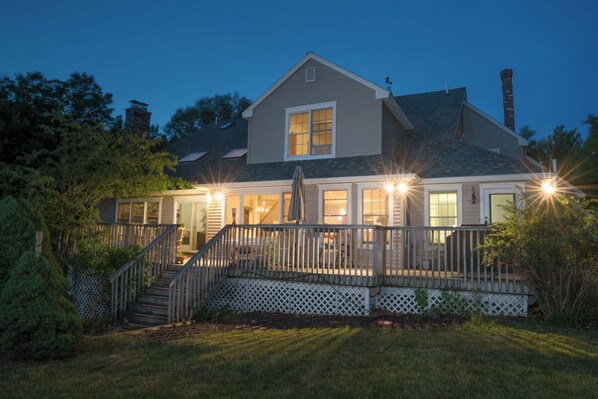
{"x":192,"y":216}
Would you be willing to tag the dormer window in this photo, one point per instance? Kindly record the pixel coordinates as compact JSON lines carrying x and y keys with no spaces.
{"x":311,"y":131}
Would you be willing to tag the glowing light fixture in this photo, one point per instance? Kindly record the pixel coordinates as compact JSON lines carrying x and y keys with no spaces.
{"x":217,"y":196}
{"x":389,"y":188}
{"x":548,"y":186}
{"x":403,"y":187}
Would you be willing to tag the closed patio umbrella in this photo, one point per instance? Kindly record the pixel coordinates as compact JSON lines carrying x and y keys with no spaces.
{"x":297,"y":208}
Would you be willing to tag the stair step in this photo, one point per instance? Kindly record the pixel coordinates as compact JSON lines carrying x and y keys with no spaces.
{"x":167,"y":274}
{"x":150,"y":309}
{"x":157,"y":291}
{"x":153,"y":299}
{"x":145,"y":319}
{"x":161,"y":282}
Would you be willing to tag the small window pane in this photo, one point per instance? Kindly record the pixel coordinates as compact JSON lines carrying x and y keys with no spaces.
{"x":261,"y":209}
{"x":299,"y":134}
{"x":153,"y":212}
{"x":286,"y":203}
{"x":137,"y":212}
{"x":124,"y":212}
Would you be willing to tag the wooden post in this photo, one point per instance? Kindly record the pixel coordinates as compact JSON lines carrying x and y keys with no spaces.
{"x":39,"y":237}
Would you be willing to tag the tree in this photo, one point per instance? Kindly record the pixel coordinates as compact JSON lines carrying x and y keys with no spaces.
{"x":87,"y":165}
{"x":553,"y":244}
{"x":527,"y":134}
{"x":588,"y":180}
{"x":18,"y":223}
{"x":188,"y":120}
{"x":29,"y":101}
{"x":37,"y":321}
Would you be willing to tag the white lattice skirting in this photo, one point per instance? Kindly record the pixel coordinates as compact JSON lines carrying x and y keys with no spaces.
{"x":249,"y":295}
{"x":403,"y":300}
{"x":90,"y":294}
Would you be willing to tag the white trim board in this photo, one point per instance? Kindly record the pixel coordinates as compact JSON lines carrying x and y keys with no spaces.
{"x":443,"y":188}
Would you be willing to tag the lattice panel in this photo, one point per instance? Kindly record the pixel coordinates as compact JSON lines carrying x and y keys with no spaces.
{"x":90,"y":293}
{"x":247,"y":295}
{"x":402,"y":300}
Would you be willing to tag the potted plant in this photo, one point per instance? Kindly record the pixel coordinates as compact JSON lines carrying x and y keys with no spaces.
{"x":180,"y":258}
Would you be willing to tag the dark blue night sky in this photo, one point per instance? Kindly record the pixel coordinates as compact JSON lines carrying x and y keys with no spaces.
{"x":169,"y":54}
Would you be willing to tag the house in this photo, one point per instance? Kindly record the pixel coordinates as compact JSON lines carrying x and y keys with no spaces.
{"x":431,"y":161}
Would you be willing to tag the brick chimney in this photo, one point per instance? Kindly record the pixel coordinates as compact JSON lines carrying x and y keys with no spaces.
{"x":137,"y":118}
{"x":506,"y":75}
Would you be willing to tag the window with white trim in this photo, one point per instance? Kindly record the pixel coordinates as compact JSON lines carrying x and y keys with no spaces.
{"x":142,"y":212}
{"x":443,"y":209}
{"x":499,"y":206}
{"x":374,"y":209}
{"x":310,"y":131}
{"x":334,"y":206}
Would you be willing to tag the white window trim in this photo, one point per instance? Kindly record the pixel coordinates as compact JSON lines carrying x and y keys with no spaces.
{"x":369,"y":186}
{"x":309,"y":108}
{"x":503,"y":188}
{"x":145,"y":201}
{"x":335,"y":187}
{"x":443,"y":188}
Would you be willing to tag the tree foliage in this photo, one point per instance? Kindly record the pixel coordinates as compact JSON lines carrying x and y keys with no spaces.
{"x":89,"y":164}
{"x":553,"y":244}
{"x":37,"y":321}
{"x":18,"y":224}
{"x":189,"y":119}
{"x":30,"y":100}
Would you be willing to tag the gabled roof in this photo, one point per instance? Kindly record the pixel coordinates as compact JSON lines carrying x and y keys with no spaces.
{"x":379,"y":92}
{"x":521,"y":141}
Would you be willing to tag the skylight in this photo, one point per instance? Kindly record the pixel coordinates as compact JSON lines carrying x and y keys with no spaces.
{"x":194,"y":156}
{"x":225,"y":126}
{"x":236,"y":153}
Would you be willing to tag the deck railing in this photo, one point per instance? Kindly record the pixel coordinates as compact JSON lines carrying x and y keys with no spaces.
{"x":427,"y":257}
{"x":192,"y":284}
{"x":133,"y":277}
{"x":113,"y":235}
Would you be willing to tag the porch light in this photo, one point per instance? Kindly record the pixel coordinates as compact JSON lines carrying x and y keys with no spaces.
{"x":548,"y":186}
{"x":403,"y":187}
{"x":218,"y":196}
{"x":389,"y":188}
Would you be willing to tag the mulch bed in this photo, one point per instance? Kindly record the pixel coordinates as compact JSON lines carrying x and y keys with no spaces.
{"x":281,"y":321}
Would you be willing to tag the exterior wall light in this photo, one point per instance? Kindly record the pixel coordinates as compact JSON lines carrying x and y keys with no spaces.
{"x":403,"y":187}
{"x":548,"y":186}
{"x":218,"y":195}
{"x":389,"y":188}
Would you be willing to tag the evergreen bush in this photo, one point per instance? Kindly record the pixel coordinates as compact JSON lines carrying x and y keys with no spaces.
{"x":18,"y":223}
{"x":37,"y":321}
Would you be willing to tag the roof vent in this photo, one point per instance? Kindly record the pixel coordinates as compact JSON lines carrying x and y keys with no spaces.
{"x":310,"y":74}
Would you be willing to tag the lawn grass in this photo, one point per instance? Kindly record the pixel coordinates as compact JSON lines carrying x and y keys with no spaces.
{"x":475,"y":360}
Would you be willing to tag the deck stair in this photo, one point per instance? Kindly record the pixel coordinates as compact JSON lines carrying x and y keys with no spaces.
{"x":151,"y":307}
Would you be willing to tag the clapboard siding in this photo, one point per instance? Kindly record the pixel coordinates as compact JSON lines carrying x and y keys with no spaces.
{"x":167,"y":213}
{"x":392,"y":132}
{"x":358,"y":114}
{"x":480,"y":132}
{"x":215,"y":209}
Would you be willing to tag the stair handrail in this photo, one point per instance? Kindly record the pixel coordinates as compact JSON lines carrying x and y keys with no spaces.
{"x":189,"y":287}
{"x":128,"y":280}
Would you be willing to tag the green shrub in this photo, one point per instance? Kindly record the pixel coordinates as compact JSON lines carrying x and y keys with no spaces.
{"x":553,"y":245}
{"x":103,"y":260}
{"x":37,"y":321}
{"x":18,"y":223}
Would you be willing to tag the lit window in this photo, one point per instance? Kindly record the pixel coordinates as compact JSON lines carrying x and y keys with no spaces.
{"x":194,"y":156}
{"x":138,"y":212}
{"x":443,"y":209}
{"x":310,"y":130}
{"x":374,"y":208}
{"x":335,"y":207}
{"x":261,"y":209}
{"x":499,"y":206}
{"x":236,"y":153}
{"x":286,"y":204}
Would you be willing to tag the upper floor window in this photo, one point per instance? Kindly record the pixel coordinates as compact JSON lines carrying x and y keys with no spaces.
{"x":311,"y":131}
